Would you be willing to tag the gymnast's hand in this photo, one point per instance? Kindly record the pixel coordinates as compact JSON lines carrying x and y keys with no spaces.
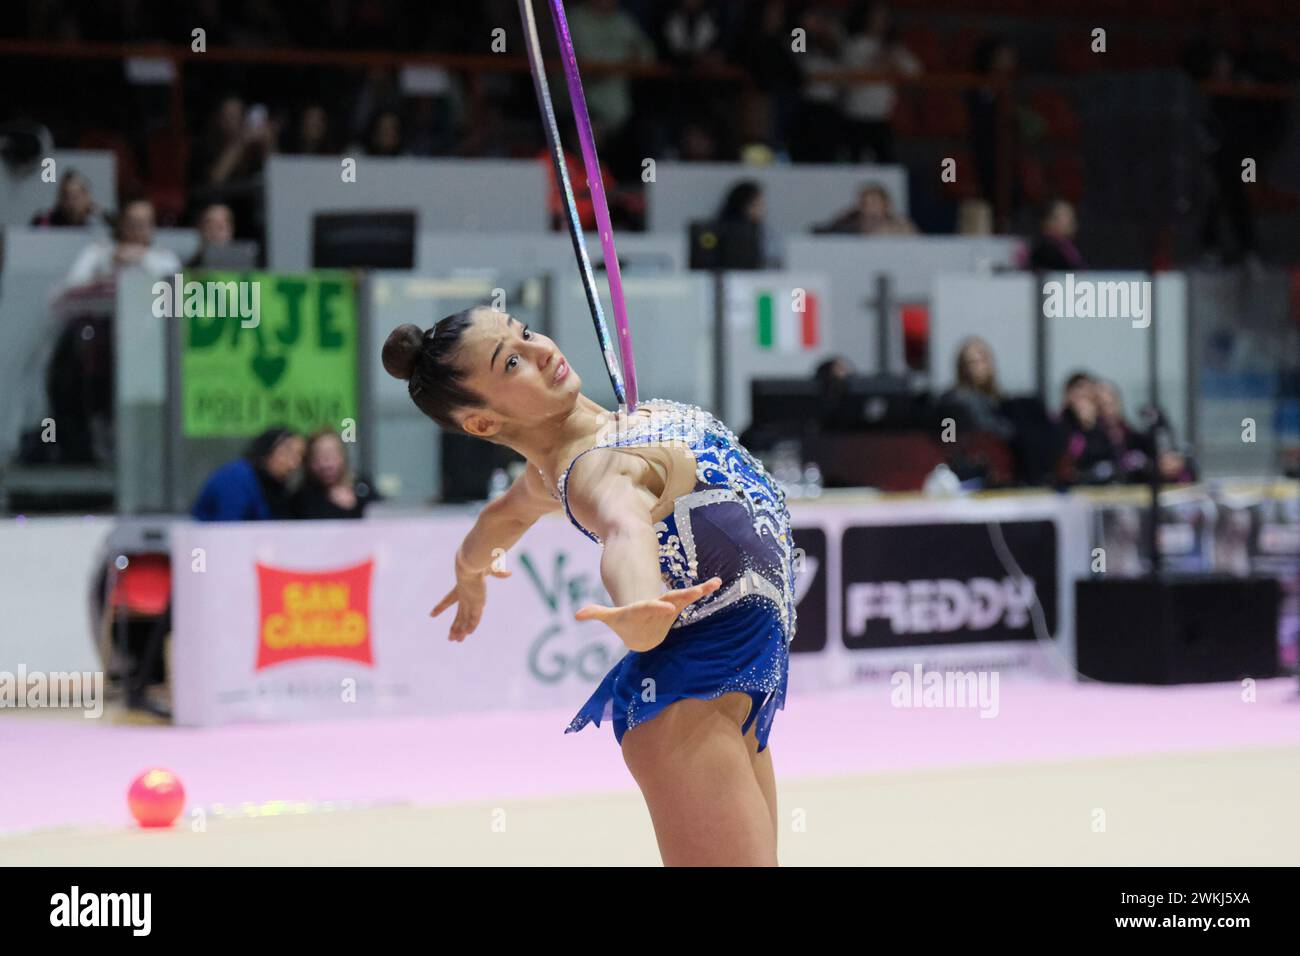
{"x":643,"y":625}
{"x":469,"y":595}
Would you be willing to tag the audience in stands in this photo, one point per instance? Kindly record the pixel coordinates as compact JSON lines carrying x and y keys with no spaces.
{"x":384,"y":137}
{"x":75,"y":205}
{"x":329,"y":489}
{"x":132,"y":245}
{"x":1089,"y":456}
{"x":1054,"y":249}
{"x":874,"y":215}
{"x":1132,"y":449}
{"x":819,"y":120}
{"x":79,"y":379}
{"x":998,"y":60}
{"x":604,"y":33}
{"x":216,"y":231}
{"x":762,"y":49}
{"x":976,"y":397}
{"x":256,"y":486}
{"x":869,"y":107}
{"x":312,"y":135}
{"x":746,"y":204}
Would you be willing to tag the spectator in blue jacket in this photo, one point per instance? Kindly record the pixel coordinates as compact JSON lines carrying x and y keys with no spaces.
{"x":255,"y":487}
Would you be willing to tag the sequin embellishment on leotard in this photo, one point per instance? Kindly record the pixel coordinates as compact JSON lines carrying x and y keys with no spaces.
{"x":733,"y":525}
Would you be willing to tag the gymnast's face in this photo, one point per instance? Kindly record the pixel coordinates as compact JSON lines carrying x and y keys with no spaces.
{"x":521,"y":374}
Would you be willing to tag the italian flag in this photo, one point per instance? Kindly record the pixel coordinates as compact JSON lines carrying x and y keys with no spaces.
{"x":787,"y":320}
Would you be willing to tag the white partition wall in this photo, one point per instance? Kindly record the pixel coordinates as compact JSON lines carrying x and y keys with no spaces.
{"x":998,"y":309}
{"x":24,"y":190}
{"x":672,"y":336}
{"x":797,"y":197}
{"x":36,"y":261}
{"x":405,"y":446}
{"x":455,"y":253}
{"x":1004,"y":311}
{"x":911,"y":263}
{"x":765,"y":335}
{"x":1121,"y":348}
{"x":483,"y":195}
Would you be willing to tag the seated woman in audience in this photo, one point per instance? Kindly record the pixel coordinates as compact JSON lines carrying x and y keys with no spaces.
{"x":874,"y":215}
{"x":255,"y":487}
{"x":329,"y":489}
{"x":976,"y":396}
{"x":1132,"y":448}
{"x":1089,"y":457}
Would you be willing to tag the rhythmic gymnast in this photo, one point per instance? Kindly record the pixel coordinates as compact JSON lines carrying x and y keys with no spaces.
{"x":697,"y":558}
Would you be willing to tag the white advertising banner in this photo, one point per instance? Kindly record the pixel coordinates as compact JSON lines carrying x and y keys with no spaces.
{"x":305,"y":620}
{"x":323,"y":620}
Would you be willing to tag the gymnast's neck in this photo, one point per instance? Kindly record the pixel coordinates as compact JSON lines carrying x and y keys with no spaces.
{"x":551,"y":443}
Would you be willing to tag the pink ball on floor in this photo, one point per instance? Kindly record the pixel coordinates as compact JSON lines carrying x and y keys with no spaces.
{"x":156,"y":798}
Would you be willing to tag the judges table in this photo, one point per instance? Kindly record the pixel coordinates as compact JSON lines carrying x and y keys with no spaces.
{"x":282,"y":621}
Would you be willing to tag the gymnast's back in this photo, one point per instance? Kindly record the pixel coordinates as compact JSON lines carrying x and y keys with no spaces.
{"x":730,"y":521}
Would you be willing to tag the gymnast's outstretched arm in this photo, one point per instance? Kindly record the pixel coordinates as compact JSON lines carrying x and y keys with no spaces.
{"x":607,"y":495}
{"x":500,"y":524}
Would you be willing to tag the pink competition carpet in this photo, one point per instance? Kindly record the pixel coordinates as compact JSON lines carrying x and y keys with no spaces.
{"x":73,"y":772}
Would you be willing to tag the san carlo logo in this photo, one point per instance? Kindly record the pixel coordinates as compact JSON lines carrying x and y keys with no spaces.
{"x":564,"y":646}
{"x":314,"y":614}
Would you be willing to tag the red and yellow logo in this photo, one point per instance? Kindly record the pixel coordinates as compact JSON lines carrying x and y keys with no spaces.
{"x":314,"y":614}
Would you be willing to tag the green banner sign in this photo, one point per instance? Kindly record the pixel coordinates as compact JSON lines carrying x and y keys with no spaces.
{"x":261,"y":349}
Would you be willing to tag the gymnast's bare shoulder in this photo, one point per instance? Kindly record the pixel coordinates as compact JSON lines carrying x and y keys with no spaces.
{"x":527,"y":499}
{"x":608,"y":489}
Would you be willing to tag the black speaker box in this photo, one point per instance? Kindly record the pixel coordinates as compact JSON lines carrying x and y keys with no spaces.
{"x":1176,"y":630}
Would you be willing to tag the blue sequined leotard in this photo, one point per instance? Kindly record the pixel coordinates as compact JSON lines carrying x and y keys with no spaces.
{"x":732,"y":525}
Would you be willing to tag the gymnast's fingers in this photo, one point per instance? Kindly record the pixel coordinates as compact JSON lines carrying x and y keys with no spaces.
{"x":445,"y":603}
{"x":685,"y":596}
{"x":593,"y":612}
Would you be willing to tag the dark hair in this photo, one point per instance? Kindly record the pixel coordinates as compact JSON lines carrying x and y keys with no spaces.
{"x":426,"y":361}
{"x":735,"y":208}
{"x":1076,"y":378}
{"x":260,"y":448}
{"x":1050,"y":205}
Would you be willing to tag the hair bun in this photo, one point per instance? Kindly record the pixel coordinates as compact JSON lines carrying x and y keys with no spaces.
{"x":402,"y":350}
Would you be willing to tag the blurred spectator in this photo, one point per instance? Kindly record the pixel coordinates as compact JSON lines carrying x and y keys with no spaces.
{"x":832,"y":374}
{"x":745,"y":203}
{"x":79,"y":377}
{"x":255,"y":487}
{"x":820,"y":120}
{"x":581,"y":190}
{"x":603,"y":33}
{"x":976,"y":396}
{"x":1054,"y":249}
{"x":997,"y":59}
{"x":231,"y":158}
{"x":75,"y":205}
{"x":329,"y":489}
{"x":868,"y":107}
{"x":312,"y":135}
{"x":385,"y":135}
{"x":236,"y":144}
{"x":1089,"y":457}
{"x":689,"y":32}
{"x":698,"y":142}
{"x":763,"y":50}
{"x":1132,"y":448}
{"x":1234,"y":127}
{"x":216,"y":230}
{"x":874,"y":215}
{"x":132,"y":245}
